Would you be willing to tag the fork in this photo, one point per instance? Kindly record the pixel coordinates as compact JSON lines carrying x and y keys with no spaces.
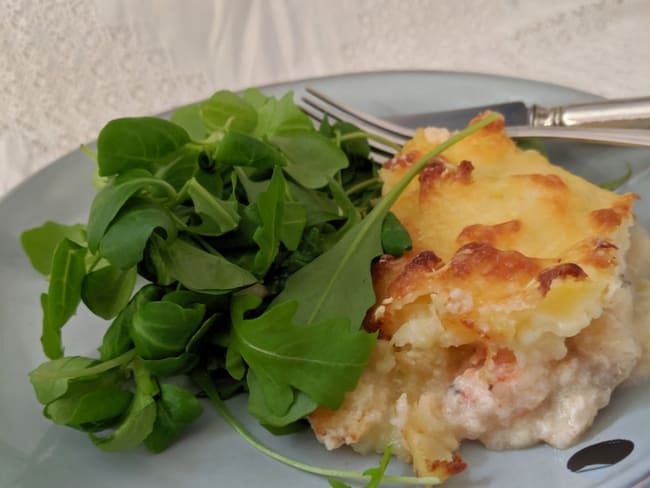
{"x":318,"y":105}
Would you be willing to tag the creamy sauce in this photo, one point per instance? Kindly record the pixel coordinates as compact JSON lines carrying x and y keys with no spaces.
{"x":425,"y":402}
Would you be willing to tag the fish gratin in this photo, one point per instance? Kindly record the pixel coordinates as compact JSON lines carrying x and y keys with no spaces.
{"x":522,"y":305}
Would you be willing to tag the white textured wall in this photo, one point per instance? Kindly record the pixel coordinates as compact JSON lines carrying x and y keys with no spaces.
{"x":66,"y":67}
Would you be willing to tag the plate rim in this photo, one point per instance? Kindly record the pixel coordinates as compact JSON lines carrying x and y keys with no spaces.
{"x":643,"y":481}
{"x":416,"y":71}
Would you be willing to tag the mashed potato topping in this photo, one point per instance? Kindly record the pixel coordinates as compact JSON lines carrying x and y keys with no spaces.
{"x":522,"y":305}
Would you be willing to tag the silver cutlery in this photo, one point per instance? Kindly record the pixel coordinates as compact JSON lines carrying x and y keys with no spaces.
{"x":629,"y":113}
{"x":317,"y":105}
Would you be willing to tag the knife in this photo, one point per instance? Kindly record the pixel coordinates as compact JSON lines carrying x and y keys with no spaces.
{"x":622,"y":113}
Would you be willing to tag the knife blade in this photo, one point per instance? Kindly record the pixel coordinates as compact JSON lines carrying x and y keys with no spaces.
{"x":622,"y":113}
{"x":515,"y":113}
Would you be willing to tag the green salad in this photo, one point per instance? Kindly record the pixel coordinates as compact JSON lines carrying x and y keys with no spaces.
{"x":232,"y":245}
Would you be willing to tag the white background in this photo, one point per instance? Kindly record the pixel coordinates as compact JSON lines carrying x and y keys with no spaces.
{"x":67,"y":67}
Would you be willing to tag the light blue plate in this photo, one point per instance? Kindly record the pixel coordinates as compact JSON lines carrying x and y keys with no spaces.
{"x":35,"y":453}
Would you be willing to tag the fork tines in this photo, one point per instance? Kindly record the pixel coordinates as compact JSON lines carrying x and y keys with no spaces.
{"x":317,"y":105}
{"x":398,"y":134}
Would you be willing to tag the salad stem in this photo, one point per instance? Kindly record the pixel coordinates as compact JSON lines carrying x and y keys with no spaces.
{"x":362,"y":185}
{"x":99,"y":368}
{"x":88,"y":152}
{"x":203,"y":381}
{"x":368,"y":135}
{"x":205,"y":245}
{"x":392,"y":196}
{"x":94,"y":263}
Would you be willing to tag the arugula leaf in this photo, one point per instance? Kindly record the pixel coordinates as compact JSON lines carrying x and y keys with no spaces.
{"x":189,"y":118}
{"x":616,"y":182}
{"x":117,"y":339}
{"x":257,"y":406}
{"x":107,"y":290}
{"x":39,"y":243}
{"x":376,"y":474}
{"x":252,"y":188}
{"x":153,"y":267}
{"x":347,"y":209}
{"x":217,"y":216}
{"x":199,"y":270}
{"x":281,"y":220}
{"x":185,"y":298}
{"x":140,"y":417}
{"x":311,"y":158}
{"x":137,"y":142}
{"x":234,"y":363}
{"x":125,"y":239}
{"x":338,"y":484}
{"x":340,"y":278}
{"x":110,"y":199}
{"x":226,"y":110}
{"x":91,"y":404}
{"x":237,"y":149}
{"x":283,"y":356}
{"x":357,"y":147}
{"x":162,"y":329}
{"x":173,"y":365}
{"x":180,"y":169}
{"x":532,"y":143}
{"x":319,"y":207}
{"x":63,"y":294}
{"x":195,"y":341}
{"x":276,"y":115}
{"x":395,"y":239}
{"x":311,"y":246}
{"x":254,"y":97}
{"x":241,"y":239}
{"x":177,"y":409}
{"x":89,"y":410}
{"x":294,"y":219}
{"x":52,"y":379}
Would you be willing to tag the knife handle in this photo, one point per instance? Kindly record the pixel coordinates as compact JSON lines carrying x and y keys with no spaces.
{"x":623,"y":113}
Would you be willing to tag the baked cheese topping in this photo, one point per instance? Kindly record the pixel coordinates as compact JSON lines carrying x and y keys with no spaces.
{"x":512,"y":319}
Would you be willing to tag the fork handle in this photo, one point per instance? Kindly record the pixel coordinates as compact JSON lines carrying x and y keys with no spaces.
{"x":623,"y":113}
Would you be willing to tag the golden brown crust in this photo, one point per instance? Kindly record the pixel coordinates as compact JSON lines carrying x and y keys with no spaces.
{"x":511,"y":256}
{"x":506,"y":226}
{"x":414,"y":272}
{"x":496,"y":235}
{"x":477,"y":259}
{"x":608,"y":219}
{"x":445,"y":469}
{"x":538,"y":194}
{"x":404,"y":159}
{"x":551,"y":182}
{"x":441,"y":170}
{"x":563,"y":270}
